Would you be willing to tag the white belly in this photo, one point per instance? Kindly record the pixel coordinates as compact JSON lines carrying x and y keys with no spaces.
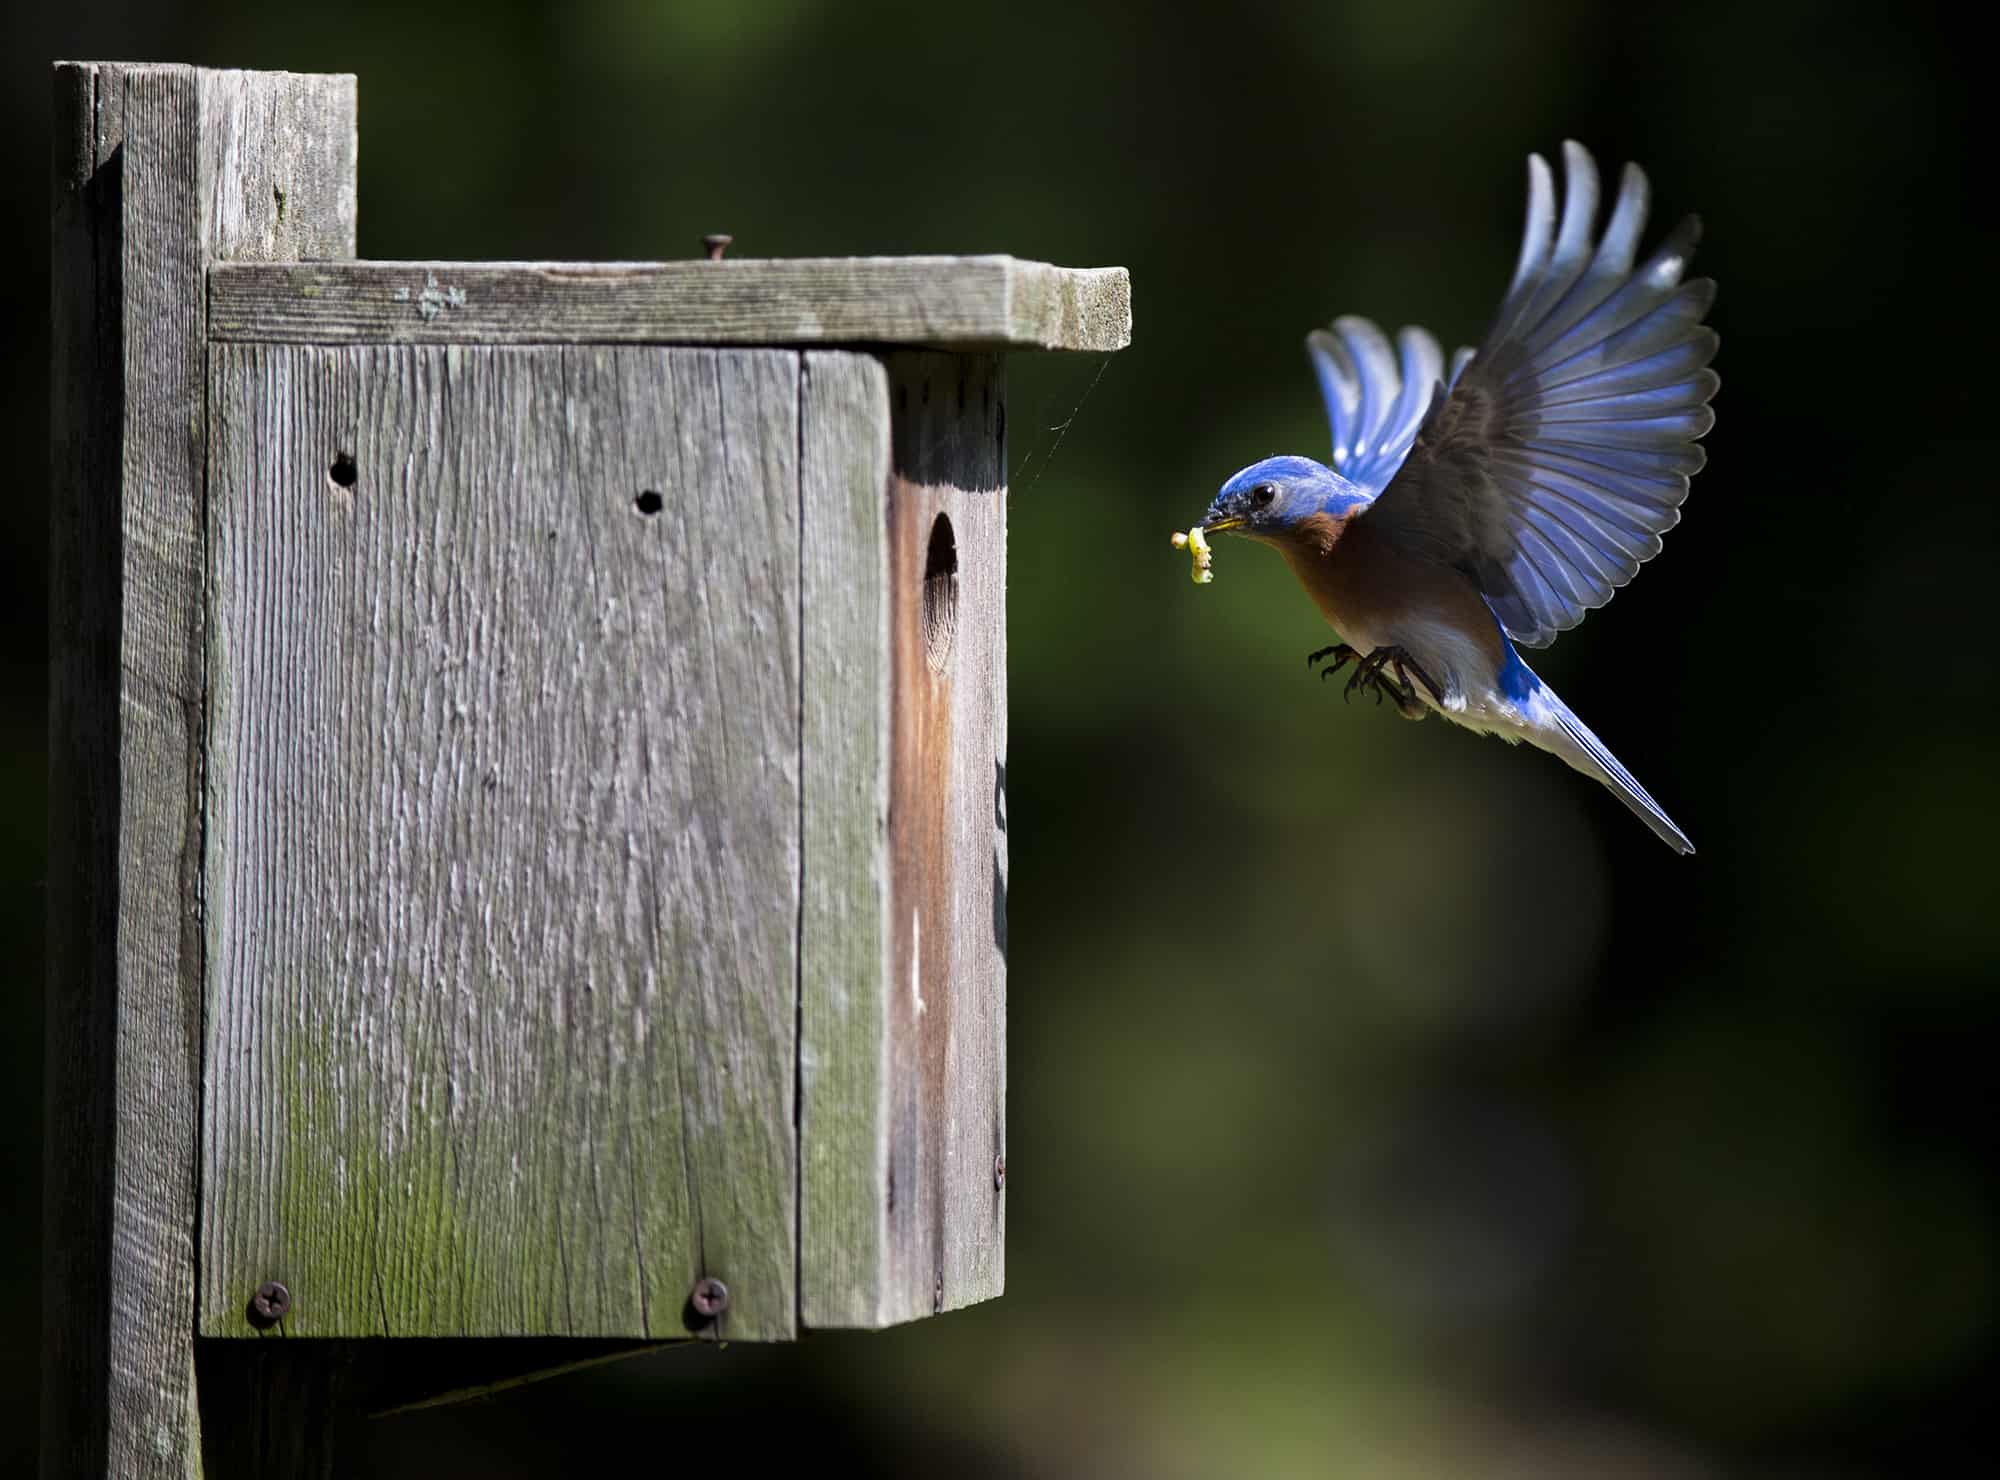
{"x":1460,"y":665}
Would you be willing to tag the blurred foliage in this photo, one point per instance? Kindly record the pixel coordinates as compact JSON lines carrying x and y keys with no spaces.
{"x":1404,"y":1109}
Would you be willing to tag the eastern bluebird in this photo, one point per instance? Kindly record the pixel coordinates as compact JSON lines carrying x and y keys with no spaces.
{"x":1486,"y":506}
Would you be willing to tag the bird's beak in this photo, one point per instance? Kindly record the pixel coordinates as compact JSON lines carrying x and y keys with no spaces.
{"x":1226,"y":513}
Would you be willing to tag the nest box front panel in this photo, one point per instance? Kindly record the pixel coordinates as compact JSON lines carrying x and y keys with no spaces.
{"x":503,"y":838}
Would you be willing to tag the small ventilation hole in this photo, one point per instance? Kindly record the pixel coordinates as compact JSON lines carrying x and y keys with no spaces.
{"x":649,"y":502}
{"x":343,"y":471}
{"x":940,"y":595}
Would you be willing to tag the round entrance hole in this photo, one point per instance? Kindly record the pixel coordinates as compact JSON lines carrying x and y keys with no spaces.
{"x":940,"y":594}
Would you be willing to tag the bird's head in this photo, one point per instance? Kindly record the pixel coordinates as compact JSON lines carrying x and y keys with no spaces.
{"x":1281,"y":498}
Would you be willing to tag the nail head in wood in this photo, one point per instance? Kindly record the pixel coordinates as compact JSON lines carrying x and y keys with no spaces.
{"x":709,"y":1298}
{"x":715,"y":244}
{"x":270,"y":1304}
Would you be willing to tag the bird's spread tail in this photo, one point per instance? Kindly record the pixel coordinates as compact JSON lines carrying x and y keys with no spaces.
{"x":1569,"y":737}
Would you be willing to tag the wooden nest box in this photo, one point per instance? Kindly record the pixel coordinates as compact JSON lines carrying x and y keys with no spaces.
{"x":529,"y":849}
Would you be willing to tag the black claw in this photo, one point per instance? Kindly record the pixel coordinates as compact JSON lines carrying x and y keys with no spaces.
{"x":1390,"y":671}
{"x":1340,"y":653}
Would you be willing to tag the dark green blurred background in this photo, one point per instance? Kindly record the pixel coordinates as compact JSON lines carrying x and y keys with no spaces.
{"x":1403,"y":1108}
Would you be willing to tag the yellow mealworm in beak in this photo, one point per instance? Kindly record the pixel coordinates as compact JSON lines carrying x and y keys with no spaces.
{"x":1196,"y":546}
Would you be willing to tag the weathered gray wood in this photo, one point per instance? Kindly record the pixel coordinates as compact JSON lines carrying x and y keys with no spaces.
{"x":503,"y":839}
{"x":82,"y":989}
{"x":278,"y":181}
{"x":152,"y":168}
{"x":547,"y":840}
{"x":843,"y":927}
{"x":946,"y":302}
{"x":905,"y":802}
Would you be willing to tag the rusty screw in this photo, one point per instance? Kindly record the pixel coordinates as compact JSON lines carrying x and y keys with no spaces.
{"x":715,"y":244}
{"x":999,"y":1172}
{"x":269,"y":1305}
{"x":709,"y":1298}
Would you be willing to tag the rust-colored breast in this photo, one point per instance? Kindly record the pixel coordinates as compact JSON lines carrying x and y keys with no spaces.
{"x":1371,"y":592}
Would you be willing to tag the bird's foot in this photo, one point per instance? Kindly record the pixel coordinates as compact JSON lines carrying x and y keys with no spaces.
{"x":1392,"y":672}
{"x":1341,"y":654}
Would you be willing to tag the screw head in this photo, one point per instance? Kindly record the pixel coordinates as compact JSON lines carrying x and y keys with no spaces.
{"x":270,"y":1304}
{"x":715,"y":244}
{"x":709,"y":1297}
{"x":999,"y":1172}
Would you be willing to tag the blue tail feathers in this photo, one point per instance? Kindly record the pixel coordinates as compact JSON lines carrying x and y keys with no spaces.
{"x":1588,"y":754}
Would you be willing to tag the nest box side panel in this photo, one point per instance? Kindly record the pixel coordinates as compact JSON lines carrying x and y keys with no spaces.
{"x":904,"y":1009}
{"x":502,"y":851}
{"x":948,"y":829}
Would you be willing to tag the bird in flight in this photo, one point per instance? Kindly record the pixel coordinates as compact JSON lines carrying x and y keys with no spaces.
{"x":1481,"y":507}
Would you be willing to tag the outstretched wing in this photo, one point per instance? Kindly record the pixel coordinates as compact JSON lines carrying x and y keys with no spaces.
{"x":1563,"y":451}
{"x":1375,"y":396}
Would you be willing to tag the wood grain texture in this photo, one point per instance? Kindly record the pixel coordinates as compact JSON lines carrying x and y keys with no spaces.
{"x":279,"y":180}
{"x":82,"y":989}
{"x":948,"y":830}
{"x":137,"y":216}
{"x":946,"y":302}
{"x":906,"y":797}
{"x":843,"y":929}
{"x":503,"y":839}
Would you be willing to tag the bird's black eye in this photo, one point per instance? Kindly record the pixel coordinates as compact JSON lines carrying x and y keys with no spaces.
{"x":1262,"y":495}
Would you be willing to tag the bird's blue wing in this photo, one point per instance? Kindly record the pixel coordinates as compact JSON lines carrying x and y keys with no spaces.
{"x":1376,"y":396}
{"x":1563,"y":451}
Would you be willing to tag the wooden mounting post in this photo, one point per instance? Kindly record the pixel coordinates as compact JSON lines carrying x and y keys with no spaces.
{"x":158,"y":172}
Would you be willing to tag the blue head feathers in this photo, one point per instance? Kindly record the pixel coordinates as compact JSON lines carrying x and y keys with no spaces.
{"x":1272,"y":496}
